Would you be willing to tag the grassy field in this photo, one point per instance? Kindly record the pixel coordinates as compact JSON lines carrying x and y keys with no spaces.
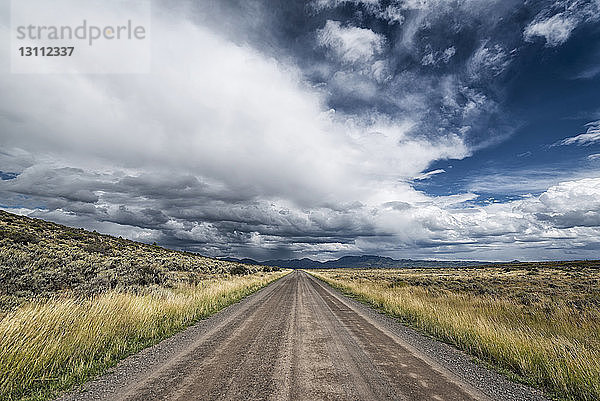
{"x":53,"y":345}
{"x":540,"y":323}
{"x":74,"y":302}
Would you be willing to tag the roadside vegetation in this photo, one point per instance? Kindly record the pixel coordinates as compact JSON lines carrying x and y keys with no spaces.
{"x":539,"y":323}
{"x":73,"y":303}
{"x":39,"y":259}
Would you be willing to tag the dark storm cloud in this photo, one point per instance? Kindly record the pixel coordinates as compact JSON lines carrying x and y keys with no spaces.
{"x":146,"y":218}
{"x":63,"y":184}
{"x":587,"y":218}
{"x":181,"y":210}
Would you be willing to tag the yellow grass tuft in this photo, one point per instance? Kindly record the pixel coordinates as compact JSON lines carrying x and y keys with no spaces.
{"x":49,"y":346}
{"x":551,"y":345}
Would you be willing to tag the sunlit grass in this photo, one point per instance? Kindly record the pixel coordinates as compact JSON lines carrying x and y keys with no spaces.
{"x":552,"y":343}
{"x":51,"y":345}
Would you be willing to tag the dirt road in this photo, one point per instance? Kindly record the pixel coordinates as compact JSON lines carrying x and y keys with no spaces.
{"x":300,"y":340}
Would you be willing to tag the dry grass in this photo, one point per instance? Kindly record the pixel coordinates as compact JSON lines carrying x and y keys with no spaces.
{"x":543,"y":325}
{"x":51,"y":345}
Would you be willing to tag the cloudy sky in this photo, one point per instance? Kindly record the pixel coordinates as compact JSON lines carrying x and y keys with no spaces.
{"x":280,"y":128}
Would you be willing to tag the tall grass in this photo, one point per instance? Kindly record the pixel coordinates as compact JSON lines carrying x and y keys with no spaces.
{"x":555,"y":348}
{"x":49,"y":346}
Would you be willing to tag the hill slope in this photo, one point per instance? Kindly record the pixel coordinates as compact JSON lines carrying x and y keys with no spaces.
{"x":39,"y":258}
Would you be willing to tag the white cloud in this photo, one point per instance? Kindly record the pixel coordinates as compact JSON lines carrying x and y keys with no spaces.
{"x":448,"y":54}
{"x":349,"y":43}
{"x":589,"y":72}
{"x":432,"y":57}
{"x":591,"y":137}
{"x":217,"y":143}
{"x":522,"y":182}
{"x":429,"y":174}
{"x":556,"y":22}
{"x":216,"y":110}
{"x":488,"y":61}
{"x":582,"y":195}
{"x":555,"y":30}
{"x":392,"y":14}
{"x":323,"y":4}
{"x":565,"y":217}
{"x":568,"y":204}
{"x":428,"y":59}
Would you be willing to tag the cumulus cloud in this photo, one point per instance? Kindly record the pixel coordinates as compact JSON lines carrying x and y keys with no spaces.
{"x":266,"y":122}
{"x":220,"y":147}
{"x":565,"y":216}
{"x":569,"y":204}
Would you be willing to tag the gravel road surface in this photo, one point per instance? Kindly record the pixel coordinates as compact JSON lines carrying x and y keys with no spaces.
{"x":298,"y":339}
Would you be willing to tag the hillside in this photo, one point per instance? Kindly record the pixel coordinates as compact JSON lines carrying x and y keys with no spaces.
{"x":39,"y":258}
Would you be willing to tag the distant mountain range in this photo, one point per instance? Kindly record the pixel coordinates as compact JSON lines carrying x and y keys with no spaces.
{"x":364,"y":261}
